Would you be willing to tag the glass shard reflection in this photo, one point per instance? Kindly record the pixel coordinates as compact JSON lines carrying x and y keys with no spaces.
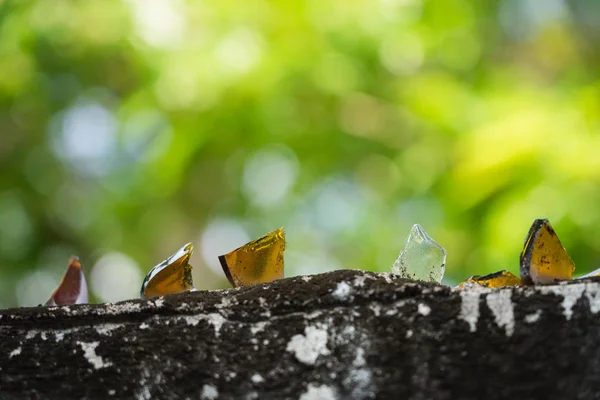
{"x":259,"y":261}
{"x":173,"y":275}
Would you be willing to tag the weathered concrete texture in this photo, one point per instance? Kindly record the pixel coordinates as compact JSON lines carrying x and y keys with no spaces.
{"x":340,"y":335}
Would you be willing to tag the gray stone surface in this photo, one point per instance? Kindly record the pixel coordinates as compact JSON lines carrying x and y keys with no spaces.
{"x":340,"y":335}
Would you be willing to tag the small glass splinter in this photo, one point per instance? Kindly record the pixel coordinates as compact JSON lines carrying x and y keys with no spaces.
{"x":544,"y":259}
{"x":73,"y":287}
{"x":421,"y":258}
{"x":495,"y":280}
{"x":173,"y":275}
{"x":590,"y":274}
{"x":259,"y":261}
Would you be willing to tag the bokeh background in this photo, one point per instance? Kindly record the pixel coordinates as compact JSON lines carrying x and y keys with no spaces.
{"x":130,"y":128}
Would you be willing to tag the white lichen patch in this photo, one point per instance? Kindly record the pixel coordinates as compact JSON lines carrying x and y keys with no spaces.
{"x":318,"y":392}
{"x":122,"y":308}
{"x":359,"y":280}
{"x":306,"y":278}
{"x":15,"y":352}
{"x":423,"y":309}
{"x":144,"y":325}
{"x":469,"y":308}
{"x":106,"y":329}
{"x":501,"y":305}
{"x":308,"y":347}
{"x":258,"y":327}
{"x":376,"y":308}
{"x":387,"y":277}
{"x":216,"y":320}
{"x":361,"y":382}
{"x":257,"y":378}
{"x":359,"y":360}
{"x":570,"y":294}
{"x":391,"y":312}
{"x":593,"y":295}
{"x":342,"y":291}
{"x":314,"y":314}
{"x":89,"y":352}
{"x":534,"y":317}
{"x":408,"y":334}
{"x":158,"y":303}
{"x":227,"y":302}
{"x":209,"y":392}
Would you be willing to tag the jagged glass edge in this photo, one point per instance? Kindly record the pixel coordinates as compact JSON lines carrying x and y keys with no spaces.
{"x":417,"y":229}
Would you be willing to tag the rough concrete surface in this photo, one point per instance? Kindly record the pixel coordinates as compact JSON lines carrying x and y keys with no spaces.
{"x":339,"y":335}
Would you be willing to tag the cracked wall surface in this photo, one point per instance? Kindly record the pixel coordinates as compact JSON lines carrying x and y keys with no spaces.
{"x":339,"y":335}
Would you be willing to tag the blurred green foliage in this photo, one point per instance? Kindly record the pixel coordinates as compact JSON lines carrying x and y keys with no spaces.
{"x":130,"y":128}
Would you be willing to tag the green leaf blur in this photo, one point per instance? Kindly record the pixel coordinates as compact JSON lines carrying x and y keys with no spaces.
{"x":130,"y":128}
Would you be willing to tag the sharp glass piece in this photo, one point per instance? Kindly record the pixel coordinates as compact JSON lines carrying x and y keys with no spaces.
{"x":544,"y":259}
{"x":421,"y":258}
{"x":73,"y":287}
{"x":590,"y":274}
{"x":495,"y":280}
{"x":259,"y":261}
{"x":173,"y":275}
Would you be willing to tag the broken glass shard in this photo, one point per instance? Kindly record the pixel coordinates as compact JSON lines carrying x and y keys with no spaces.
{"x":590,"y":274}
{"x":544,"y":259}
{"x":259,"y":261}
{"x":495,"y":280}
{"x":73,"y":287}
{"x":173,"y":275}
{"x":421,"y":258}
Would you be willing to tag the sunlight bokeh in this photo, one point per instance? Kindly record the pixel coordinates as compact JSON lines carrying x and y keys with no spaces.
{"x":129,"y":128}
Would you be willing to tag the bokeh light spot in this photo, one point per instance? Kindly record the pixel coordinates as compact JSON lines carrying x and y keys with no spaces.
{"x":116,"y":277}
{"x":219,"y":237}
{"x":269,"y":176}
{"x":86,"y":139}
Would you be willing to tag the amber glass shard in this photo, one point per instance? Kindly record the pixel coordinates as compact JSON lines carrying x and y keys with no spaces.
{"x":73,"y":287}
{"x":173,"y":275}
{"x":544,"y":259}
{"x":495,"y":280}
{"x":259,"y":261}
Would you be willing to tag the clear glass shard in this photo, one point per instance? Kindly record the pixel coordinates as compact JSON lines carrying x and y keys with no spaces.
{"x":421,"y":258}
{"x":173,"y":275}
{"x":590,"y":274}
{"x":73,"y":287}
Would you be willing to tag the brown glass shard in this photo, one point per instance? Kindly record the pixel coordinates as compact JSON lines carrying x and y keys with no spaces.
{"x":544,"y":259}
{"x":259,"y":261}
{"x":496,"y":280}
{"x":173,"y":275}
{"x":73,"y":287}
